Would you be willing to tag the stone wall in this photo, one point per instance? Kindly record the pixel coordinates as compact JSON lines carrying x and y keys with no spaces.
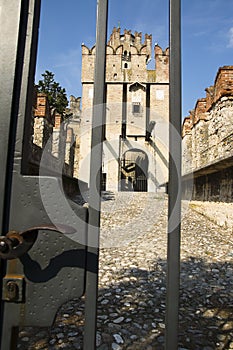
{"x":57,"y":137}
{"x":215,"y":186}
{"x":43,"y":121}
{"x":208,"y":137}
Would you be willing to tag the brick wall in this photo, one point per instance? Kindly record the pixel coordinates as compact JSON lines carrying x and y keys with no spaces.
{"x":208,"y":130}
{"x":223,"y":83}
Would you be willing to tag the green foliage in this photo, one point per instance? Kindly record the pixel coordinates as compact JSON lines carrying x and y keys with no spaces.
{"x":56,"y":94}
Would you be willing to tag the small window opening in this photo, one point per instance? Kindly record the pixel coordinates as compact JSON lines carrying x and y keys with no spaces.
{"x":126,"y":65}
{"x":136,"y":108}
{"x":126,"y":56}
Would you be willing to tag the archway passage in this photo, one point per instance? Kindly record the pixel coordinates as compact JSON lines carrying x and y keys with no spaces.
{"x":134,"y":170}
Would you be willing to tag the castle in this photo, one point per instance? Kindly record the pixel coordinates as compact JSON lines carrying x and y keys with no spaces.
{"x":135,"y":153}
{"x":137,"y":101}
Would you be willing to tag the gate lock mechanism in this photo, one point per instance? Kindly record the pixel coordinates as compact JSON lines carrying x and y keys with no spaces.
{"x":15,"y":243}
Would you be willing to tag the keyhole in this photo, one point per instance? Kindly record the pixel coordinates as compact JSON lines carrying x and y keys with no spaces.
{"x":12,"y":290}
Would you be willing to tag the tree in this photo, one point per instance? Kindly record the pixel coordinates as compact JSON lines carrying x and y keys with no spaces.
{"x":56,"y":94}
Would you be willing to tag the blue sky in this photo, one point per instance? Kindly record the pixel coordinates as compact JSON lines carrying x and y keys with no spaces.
{"x":207,"y":38}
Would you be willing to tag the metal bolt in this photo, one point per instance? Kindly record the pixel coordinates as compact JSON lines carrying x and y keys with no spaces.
{"x":3,"y":247}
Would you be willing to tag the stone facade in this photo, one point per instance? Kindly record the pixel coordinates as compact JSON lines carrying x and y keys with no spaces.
{"x":51,"y":133}
{"x":74,"y":112}
{"x":137,"y":107}
{"x":208,"y":139}
{"x":43,"y":121}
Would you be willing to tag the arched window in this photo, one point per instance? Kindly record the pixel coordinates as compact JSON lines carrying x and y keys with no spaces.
{"x":126,"y":65}
{"x":125,"y":56}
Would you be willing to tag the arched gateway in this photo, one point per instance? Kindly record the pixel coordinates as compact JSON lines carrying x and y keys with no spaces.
{"x":134,"y":170}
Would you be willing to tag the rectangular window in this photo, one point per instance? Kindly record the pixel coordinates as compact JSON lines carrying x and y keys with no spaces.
{"x":136,"y":108}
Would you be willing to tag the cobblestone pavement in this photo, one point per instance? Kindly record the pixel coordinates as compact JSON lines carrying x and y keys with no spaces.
{"x":132,"y":283}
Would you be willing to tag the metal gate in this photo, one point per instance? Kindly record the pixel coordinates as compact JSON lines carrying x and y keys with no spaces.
{"x":30,"y":239}
{"x":133,"y":177}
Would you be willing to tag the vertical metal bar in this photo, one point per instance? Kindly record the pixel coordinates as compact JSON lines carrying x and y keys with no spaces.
{"x":21,"y":26}
{"x":11,"y":14}
{"x":13,"y":25}
{"x":174,"y":189}
{"x":147,"y":111}
{"x":98,"y":122}
{"x":9,"y":31}
{"x":25,"y":131}
{"x":124,"y":112}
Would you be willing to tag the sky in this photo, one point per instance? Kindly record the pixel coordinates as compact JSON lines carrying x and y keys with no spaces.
{"x":207,"y":38}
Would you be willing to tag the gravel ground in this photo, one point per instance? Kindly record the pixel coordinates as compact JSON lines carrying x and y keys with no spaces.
{"x":218,"y":212}
{"x":132,"y":281}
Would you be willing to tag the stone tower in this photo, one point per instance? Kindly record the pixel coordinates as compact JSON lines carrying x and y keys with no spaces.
{"x":136,"y":112}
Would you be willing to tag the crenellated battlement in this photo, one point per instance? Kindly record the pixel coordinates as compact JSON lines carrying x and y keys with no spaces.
{"x":161,"y":63}
{"x":223,"y":87}
{"x":208,"y":133}
{"x":128,"y":39}
{"x":127,"y":58}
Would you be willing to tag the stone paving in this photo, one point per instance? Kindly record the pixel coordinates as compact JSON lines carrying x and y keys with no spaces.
{"x":132,"y":282}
